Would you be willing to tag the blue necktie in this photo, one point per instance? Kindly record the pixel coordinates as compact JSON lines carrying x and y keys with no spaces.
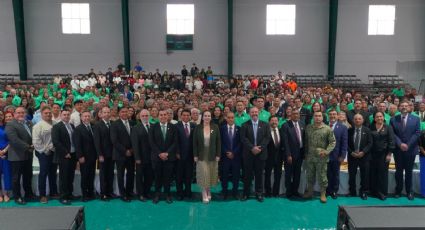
{"x":255,"y":133}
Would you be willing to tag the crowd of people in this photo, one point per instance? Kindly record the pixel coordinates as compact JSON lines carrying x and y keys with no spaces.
{"x":157,"y":129}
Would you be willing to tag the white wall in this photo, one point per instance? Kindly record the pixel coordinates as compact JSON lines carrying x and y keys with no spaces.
{"x":303,"y":53}
{"x":50,"y":51}
{"x":148,"y":26}
{"x":8,"y":51}
{"x":360,"y":54}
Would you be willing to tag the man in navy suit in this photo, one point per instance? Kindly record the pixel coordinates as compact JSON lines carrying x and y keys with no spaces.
{"x":230,"y":155}
{"x":406,"y":133}
{"x":338,"y":154}
{"x":184,"y":156}
{"x":293,"y":152}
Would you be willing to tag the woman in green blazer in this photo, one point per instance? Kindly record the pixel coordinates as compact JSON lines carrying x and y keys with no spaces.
{"x":206,"y":152}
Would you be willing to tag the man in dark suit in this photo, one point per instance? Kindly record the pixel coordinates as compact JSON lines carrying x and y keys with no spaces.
{"x":255,"y":136}
{"x":359,"y":144}
{"x":164,"y":144}
{"x":274,"y":160}
{"x":184,"y":156}
{"x":406,"y":133}
{"x":122,"y":154}
{"x":358,"y":110}
{"x":20,"y":155}
{"x":305,"y":114}
{"x":103,"y":144}
{"x":230,"y":155}
{"x":293,"y":136}
{"x":65,"y":155}
{"x":86,"y":155}
{"x":142,"y":155}
{"x":338,"y":154}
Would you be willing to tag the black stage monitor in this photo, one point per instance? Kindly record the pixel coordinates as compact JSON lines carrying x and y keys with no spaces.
{"x":381,"y":217}
{"x":37,"y":218}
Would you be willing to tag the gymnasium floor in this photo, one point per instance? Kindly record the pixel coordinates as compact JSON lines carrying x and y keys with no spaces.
{"x":274,"y":213}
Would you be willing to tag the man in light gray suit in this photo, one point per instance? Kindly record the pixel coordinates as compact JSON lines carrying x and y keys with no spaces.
{"x":20,"y":155}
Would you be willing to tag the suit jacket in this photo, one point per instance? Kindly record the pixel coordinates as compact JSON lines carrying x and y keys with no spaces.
{"x":159,"y":145}
{"x":410,"y":135}
{"x":383,"y":141}
{"x":341,"y":138}
{"x":199,"y":146}
{"x":102,"y":139}
{"x":141,"y":145}
{"x":84,"y":143}
{"x":120,"y":139}
{"x":248,"y":141}
{"x":61,"y":140}
{"x":273,"y":151}
{"x":19,"y":141}
{"x":185,"y":142}
{"x":305,"y":115}
{"x":366,"y":140}
{"x":290,"y":144}
{"x":233,"y":145}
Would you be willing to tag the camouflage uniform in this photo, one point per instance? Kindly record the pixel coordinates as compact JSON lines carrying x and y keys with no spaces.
{"x":318,"y":140}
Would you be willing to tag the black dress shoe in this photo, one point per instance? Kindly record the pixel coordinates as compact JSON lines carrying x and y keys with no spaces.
{"x":260,"y":198}
{"x":333,"y":195}
{"x":381,"y":196}
{"x":104,"y":198}
{"x":268,"y":195}
{"x":65,"y":201}
{"x":72,"y":197}
{"x":363,"y":196}
{"x":235,"y":195}
{"x":112,"y":196}
{"x":20,"y":201}
{"x":142,"y":198}
{"x":410,"y":196}
{"x":169,"y":200}
{"x":125,"y":199}
{"x":244,"y":198}
{"x":155,"y":200}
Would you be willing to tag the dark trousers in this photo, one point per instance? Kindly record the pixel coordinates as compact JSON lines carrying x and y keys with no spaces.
{"x":233,"y":167}
{"x":276,"y":166}
{"x":163,"y":173}
{"x":333,"y":176}
{"x":21,"y":169}
{"x":106,"y":176}
{"x":184,"y":177}
{"x":66,"y":176}
{"x":404,"y":162}
{"x":292,"y":176}
{"x":122,"y":166}
{"x":363,"y":164}
{"x":88,"y":170}
{"x":253,"y":166}
{"x":144,"y":179}
{"x":379,"y":174}
{"x":48,"y":169}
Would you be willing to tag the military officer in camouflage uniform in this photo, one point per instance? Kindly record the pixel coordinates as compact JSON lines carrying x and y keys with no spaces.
{"x":320,"y":141}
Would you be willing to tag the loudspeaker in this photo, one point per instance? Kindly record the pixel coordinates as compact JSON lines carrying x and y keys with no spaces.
{"x":38,"y":218}
{"x":380,"y":217}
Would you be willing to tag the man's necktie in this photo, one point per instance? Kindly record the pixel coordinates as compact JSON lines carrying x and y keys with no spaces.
{"x":276,"y":138}
{"x":164,"y":131}
{"x":357,"y":140}
{"x":186,"y":130}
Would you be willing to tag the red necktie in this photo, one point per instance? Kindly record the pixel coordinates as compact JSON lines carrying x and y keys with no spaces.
{"x":186,"y":130}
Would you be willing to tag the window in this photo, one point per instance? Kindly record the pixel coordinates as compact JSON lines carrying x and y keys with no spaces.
{"x":180,"y":18}
{"x":280,"y":20}
{"x":75,"y":18}
{"x":381,"y":19}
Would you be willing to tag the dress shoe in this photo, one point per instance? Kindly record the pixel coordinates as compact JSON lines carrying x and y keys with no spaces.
{"x":235,"y":195}
{"x":410,"y":196}
{"x":397,"y":195}
{"x":43,"y":200}
{"x":125,"y":199}
{"x":72,"y":197}
{"x":224,"y":196}
{"x":381,"y":196}
{"x":142,"y":198}
{"x":169,"y":200}
{"x":308,"y":194}
{"x":104,"y":198}
{"x":112,"y":196}
{"x":20,"y":201}
{"x":323,"y":198}
{"x":363,"y":196}
{"x":65,"y":201}
{"x":54,"y":196}
{"x":244,"y":198}
{"x":333,"y":195}
{"x":260,"y":198}
{"x":268,"y":195}
{"x":155,"y":200}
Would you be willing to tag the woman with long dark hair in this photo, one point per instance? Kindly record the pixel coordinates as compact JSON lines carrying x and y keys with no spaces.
{"x":382,"y":148}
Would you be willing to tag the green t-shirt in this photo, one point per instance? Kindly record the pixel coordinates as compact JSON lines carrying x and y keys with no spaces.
{"x":387,"y":118}
{"x":398,"y":92}
{"x":241,"y":119}
{"x":282,"y":121}
{"x":264,"y":116}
